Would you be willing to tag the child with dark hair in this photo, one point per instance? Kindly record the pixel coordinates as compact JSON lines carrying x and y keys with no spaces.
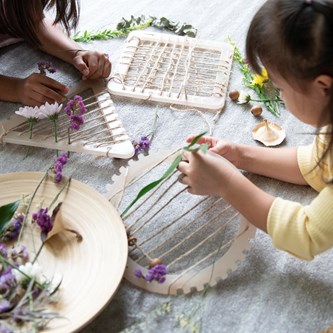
{"x":293,"y":40}
{"x":25,"y":20}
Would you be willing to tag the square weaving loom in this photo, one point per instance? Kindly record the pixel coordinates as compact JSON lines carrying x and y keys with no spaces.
{"x":173,"y":69}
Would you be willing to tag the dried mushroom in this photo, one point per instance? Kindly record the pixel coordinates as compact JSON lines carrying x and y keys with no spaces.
{"x":270,"y":134}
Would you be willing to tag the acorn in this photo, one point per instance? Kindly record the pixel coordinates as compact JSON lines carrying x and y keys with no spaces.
{"x":256,"y":110}
{"x":154,"y":262}
{"x":234,"y":94}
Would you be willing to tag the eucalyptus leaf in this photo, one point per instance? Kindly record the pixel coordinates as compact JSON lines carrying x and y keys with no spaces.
{"x":7,"y":212}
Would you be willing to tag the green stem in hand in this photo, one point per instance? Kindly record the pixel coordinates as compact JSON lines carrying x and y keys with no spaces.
{"x":172,"y":167}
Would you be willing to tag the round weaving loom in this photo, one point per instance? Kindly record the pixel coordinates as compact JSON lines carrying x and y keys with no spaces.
{"x":199,"y":238}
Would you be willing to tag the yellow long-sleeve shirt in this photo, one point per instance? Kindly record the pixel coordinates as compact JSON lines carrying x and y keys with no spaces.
{"x":305,"y":231}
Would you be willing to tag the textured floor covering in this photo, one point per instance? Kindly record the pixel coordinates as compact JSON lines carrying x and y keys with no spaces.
{"x":271,"y":291}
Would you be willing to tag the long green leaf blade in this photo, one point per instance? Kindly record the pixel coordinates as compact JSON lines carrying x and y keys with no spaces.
{"x":195,"y":140}
{"x":153,"y":184}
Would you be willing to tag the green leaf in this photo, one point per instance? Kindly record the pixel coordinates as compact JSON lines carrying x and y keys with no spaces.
{"x":172,"y":167}
{"x":7,"y":212}
{"x":153,"y":184}
{"x":194,"y":141}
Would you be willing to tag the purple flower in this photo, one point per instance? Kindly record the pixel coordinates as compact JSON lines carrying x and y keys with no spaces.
{"x":44,"y":66}
{"x":138,"y":273}
{"x":12,"y":229}
{"x":74,"y":109}
{"x":4,"y":329}
{"x":43,"y":219}
{"x":62,"y":158}
{"x":157,"y":273}
{"x":4,"y":306}
{"x":143,"y":145}
{"x":68,"y":108}
{"x":144,"y":142}
{"x":58,"y":177}
{"x":59,"y":164}
{"x":18,"y":314}
{"x":7,"y":280}
{"x":3,"y":250}
{"x":19,"y":255}
{"x":76,"y":120}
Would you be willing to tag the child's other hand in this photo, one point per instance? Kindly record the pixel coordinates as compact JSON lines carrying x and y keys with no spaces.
{"x":221,"y":147}
{"x":92,"y":64}
{"x":206,"y":173}
{"x":37,"y":89}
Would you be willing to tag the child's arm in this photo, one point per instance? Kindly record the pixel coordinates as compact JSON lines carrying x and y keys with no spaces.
{"x":34,"y":90}
{"x":91,"y":64}
{"x":278,"y":163}
{"x":303,"y":231}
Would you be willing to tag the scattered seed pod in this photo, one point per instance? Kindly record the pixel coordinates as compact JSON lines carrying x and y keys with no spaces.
{"x":256,"y":110}
{"x":132,"y":241}
{"x":154,"y":262}
{"x":270,"y":134}
{"x":234,"y":94}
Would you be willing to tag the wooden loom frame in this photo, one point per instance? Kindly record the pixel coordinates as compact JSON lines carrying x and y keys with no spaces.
{"x":173,"y":69}
{"x":119,"y":145}
{"x":188,"y":280}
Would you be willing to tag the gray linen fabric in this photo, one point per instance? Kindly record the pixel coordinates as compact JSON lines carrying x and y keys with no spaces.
{"x":271,"y":291}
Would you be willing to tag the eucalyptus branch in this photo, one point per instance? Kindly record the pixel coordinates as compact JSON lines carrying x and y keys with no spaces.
{"x":124,"y":27}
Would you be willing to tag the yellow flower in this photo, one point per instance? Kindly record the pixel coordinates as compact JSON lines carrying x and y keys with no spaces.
{"x":260,"y":79}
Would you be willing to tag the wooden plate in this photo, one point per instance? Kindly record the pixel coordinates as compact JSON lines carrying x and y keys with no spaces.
{"x":91,"y":269}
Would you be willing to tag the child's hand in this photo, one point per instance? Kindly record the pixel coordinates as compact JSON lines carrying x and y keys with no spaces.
{"x":221,"y":147}
{"x":37,"y":89}
{"x":92,"y":64}
{"x":206,"y":173}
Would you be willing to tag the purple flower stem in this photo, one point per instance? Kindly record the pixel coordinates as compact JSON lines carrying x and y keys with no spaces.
{"x":30,"y":202}
{"x":152,"y":133}
{"x":38,"y":252}
{"x":69,"y":135}
{"x":61,"y":190}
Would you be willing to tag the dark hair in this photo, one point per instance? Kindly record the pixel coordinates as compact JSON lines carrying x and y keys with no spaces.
{"x":20,"y":18}
{"x":294,"y":38}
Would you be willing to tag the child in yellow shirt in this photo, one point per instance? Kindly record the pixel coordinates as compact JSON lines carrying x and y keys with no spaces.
{"x":293,"y":40}
{"x":25,"y":20}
